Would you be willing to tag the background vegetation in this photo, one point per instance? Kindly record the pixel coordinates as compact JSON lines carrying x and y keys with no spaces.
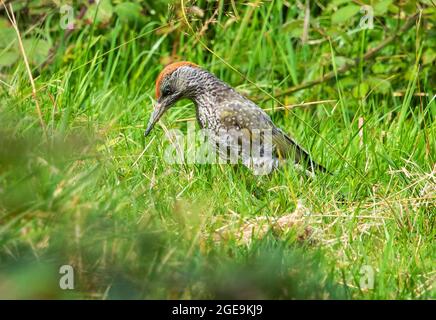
{"x":79,"y":185}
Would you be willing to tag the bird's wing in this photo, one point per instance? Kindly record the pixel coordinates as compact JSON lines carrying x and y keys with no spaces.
{"x":247,"y":116}
{"x":244,"y":117}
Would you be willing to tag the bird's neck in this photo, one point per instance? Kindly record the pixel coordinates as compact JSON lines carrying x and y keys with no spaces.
{"x":207,"y":92}
{"x":211,"y":92}
{"x":202,"y":87}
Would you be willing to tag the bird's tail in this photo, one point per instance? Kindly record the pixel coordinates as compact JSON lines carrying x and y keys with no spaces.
{"x":303,"y":157}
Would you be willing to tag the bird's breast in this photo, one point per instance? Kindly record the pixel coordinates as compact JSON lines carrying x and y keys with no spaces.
{"x":207,"y":118}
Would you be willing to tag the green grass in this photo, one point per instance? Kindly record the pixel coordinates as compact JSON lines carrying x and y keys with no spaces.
{"x":98,"y":196}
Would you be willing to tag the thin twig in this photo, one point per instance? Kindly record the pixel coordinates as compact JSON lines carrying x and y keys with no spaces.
{"x":303,"y":104}
{"x":207,"y":23}
{"x":305,"y":35}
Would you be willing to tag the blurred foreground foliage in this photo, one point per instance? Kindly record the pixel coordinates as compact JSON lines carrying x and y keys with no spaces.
{"x":48,"y":199}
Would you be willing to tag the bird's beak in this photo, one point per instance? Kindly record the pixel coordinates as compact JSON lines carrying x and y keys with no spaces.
{"x":158,"y":111}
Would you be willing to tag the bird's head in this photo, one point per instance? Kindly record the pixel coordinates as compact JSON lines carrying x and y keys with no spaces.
{"x":176,"y":81}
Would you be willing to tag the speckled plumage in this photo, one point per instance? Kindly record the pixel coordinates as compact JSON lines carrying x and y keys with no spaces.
{"x":221,"y":109}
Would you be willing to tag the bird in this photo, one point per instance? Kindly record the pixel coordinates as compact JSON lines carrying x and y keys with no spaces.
{"x":231,"y":119}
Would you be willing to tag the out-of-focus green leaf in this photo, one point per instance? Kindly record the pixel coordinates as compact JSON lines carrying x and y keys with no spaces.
{"x":380,"y":67}
{"x":7,"y":33}
{"x":18,"y":5}
{"x":333,"y":31}
{"x":37,"y":50}
{"x":336,"y":3}
{"x":4,"y":23}
{"x":409,"y":6}
{"x":361,"y":90}
{"x":429,"y":56}
{"x":339,"y":2}
{"x":344,"y":13}
{"x":381,"y":7}
{"x":295,"y":28}
{"x":104,"y":13}
{"x":129,"y":12}
{"x":379,"y":85}
{"x":8,"y":58}
{"x":342,"y":61}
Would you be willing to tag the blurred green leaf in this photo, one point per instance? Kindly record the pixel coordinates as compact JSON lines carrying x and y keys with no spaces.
{"x":379,"y":85}
{"x":294,"y":27}
{"x":37,"y":50}
{"x":341,"y":61}
{"x":8,"y":58}
{"x":129,"y":12}
{"x":8,"y":53}
{"x":381,"y":7}
{"x":339,"y":2}
{"x":409,"y":6}
{"x":4,"y":23}
{"x":429,"y":56}
{"x":361,"y":90}
{"x":101,"y":12}
{"x":345,"y":13}
{"x":7,"y":33}
{"x":18,"y":5}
